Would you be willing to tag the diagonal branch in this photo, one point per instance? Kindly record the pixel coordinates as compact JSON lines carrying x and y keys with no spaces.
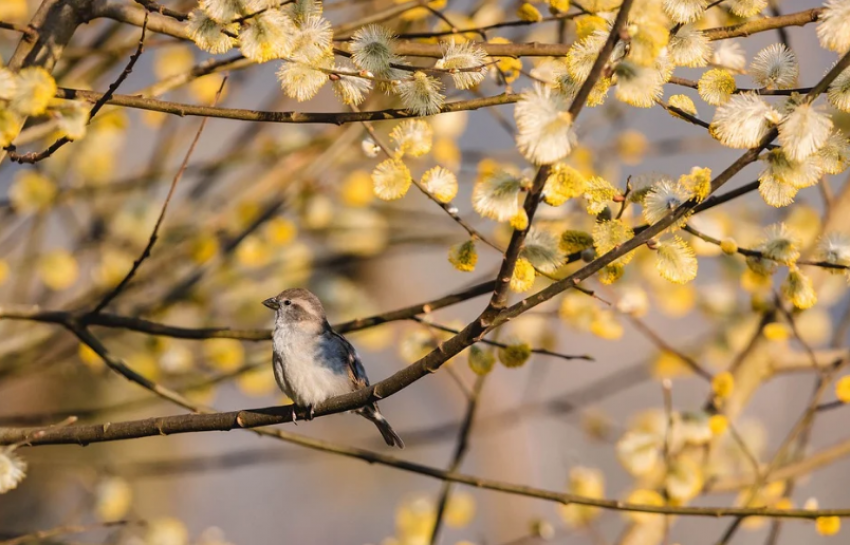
{"x":500,"y":294}
{"x":44,"y":536}
{"x":499,"y":298}
{"x":459,"y":453}
{"x":670,"y":219}
{"x":152,"y":240}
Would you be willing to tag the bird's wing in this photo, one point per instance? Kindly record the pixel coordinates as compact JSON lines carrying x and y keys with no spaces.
{"x":277,"y":366}
{"x":356,"y":372}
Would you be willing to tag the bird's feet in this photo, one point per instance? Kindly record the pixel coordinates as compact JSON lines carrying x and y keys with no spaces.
{"x":294,"y":410}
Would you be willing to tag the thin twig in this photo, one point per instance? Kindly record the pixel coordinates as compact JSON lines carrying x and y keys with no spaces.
{"x":799,"y":428}
{"x":459,"y":453}
{"x":46,"y":535}
{"x":491,"y":342}
{"x":667,"y":396}
{"x":796,"y":332}
{"x":484,"y":28}
{"x":27,"y":31}
{"x":667,"y":347}
{"x":675,"y":80}
{"x":448,"y":208}
{"x":152,"y":6}
{"x":154,"y":234}
{"x":761,"y":255}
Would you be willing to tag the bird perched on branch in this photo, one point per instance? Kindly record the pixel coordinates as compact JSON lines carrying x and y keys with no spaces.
{"x":312,"y":362}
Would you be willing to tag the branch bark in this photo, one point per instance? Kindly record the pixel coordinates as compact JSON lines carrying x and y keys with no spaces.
{"x":237,"y":420}
{"x":133,"y":15}
{"x":332,"y":118}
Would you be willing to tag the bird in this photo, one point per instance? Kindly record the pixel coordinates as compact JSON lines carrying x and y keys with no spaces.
{"x":312,"y":362}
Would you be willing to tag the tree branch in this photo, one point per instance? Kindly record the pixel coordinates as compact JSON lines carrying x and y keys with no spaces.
{"x":332,"y":118}
{"x":793,"y":470}
{"x":44,"y":536}
{"x":239,"y":419}
{"x":459,"y":453}
{"x":32,"y":158}
{"x":109,"y":297}
{"x":671,"y":218}
{"x":164,"y":25}
{"x":764,"y":24}
{"x":755,"y":253}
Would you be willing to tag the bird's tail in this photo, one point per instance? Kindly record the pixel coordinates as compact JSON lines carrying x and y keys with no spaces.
{"x":372,"y":413}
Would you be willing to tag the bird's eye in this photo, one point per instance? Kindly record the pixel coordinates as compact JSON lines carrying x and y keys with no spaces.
{"x":287,"y":302}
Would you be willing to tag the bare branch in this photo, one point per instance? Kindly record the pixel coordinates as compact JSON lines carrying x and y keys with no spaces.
{"x":109,"y":297}
{"x":459,"y":453}
{"x":338,"y":118}
{"x":46,"y":535}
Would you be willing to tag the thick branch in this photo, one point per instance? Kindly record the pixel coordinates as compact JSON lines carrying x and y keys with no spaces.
{"x":239,"y":419}
{"x":801,"y":18}
{"x":506,"y":270}
{"x":54,"y":23}
{"x":339,"y":118}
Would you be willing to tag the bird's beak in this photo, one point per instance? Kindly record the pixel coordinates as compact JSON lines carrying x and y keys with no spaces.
{"x":272,"y":303}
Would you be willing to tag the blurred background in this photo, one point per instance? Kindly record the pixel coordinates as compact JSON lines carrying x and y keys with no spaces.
{"x":267,"y":206}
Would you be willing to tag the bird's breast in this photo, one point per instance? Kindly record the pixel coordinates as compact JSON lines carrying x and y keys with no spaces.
{"x":307,"y":374}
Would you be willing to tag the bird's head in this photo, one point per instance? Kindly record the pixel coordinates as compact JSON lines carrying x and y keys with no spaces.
{"x":296,"y":305}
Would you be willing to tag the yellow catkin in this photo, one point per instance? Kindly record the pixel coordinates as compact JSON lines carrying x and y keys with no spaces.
{"x":828,"y":526}
{"x":523,"y":277}
{"x":697,"y":182}
{"x":529,"y":13}
{"x":776,"y":331}
{"x":729,"y":246}
{"x":514,"y":355}
{"x":716,"y":86}
{"x":842,"y":389}
{"x":520,"y":220}
{"x":588,"y":24}
{"x":481,"y":361}
{"x":684,"y":103}
{"x":718,"y":424}
{"x":573,"y":241}
{"x":463,"y":256}
{"x":561,"y":6}
{"x":356,"y":190}
{"x":723,"y":384}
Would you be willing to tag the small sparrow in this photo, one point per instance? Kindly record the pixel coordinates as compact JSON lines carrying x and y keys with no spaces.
{"x":312,"y":362}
